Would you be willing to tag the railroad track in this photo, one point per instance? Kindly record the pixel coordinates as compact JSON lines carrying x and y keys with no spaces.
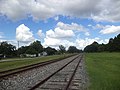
{"x":7,"y":73}
{"x":65,"y":76}
{"x":60,"y":75}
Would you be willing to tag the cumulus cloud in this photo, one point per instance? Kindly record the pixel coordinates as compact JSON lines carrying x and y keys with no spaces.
{"x":73,"y":26}
{"x":64,"y":34}
{"x":40,"y":34}
{"x":110,"y":29}
{"x":82,"y":43}
{"x":23,"y":34}
{"x":53,"y":42}
{"x":59,"y":33}
{"x":79,"y":43}
{"x":99,"y":10}
{"x":58,"y":37}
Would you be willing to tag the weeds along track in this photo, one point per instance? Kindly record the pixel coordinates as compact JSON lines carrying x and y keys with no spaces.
{"x":28,"y":67}
{"x":29,"y":78}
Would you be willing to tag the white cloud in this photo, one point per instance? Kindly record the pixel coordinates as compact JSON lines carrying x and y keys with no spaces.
{"x":64,"y":34}
{"x":15,"y":43}
{"x":53,"y":42}
{"x":110,"y":11}
{"x":73,"y":26}
{"x":79,"y":43}
{"x":13,"y":9}
{"x":40,"y":34}
{"x":82,"y":43}
{"x":110,"y":29}
{"x":97,"y":26}
{"x":40,"y":10}
{"x":99,"y":10}
{"x":58,"y":37}
{"x":56,"y":18}
{"x":23,"y":34}
{"x":59,"y":33}
{"x":19,"y":9}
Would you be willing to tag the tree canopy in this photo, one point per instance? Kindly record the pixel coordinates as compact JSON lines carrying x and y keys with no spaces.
{"x":92,"y":48}
{"x":73,"y":49}
{"x":33,"y":48}
{"x":50,"y":51}
{"x":112,"y":46}
{"x":62,"y":49}
{"x":7,"y":50}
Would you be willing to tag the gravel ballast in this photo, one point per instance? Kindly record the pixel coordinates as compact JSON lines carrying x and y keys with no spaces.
{"x":27,"y":79}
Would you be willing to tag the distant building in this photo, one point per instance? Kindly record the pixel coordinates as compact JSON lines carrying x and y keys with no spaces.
{"x":44,"y":53}
{"x":34,"y":55}
{"x":30,"y":55}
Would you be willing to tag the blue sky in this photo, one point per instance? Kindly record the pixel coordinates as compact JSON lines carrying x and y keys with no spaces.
{"x":65,"y":22}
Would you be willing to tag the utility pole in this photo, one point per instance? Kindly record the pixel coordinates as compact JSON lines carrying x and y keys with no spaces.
{"x":17,"y":49}
{"x":18,"y":44}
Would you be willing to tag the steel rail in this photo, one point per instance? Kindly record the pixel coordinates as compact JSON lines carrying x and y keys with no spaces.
{"x":68,"y":85}
{"x":46,"y":79}
{"x":29,"y":67}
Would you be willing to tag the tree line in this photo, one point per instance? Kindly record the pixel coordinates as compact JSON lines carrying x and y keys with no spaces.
{"x":9,"y":50}
{"x":112,"y":46}
{"x":36,"y":48}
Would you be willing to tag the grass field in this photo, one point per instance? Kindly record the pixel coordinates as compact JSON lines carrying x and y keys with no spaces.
{"x":103,"y":70}
{"x":19,"y":63}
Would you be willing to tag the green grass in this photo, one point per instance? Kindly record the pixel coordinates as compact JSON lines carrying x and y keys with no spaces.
{"x":19,"y":63}
{"x":103,"y":70}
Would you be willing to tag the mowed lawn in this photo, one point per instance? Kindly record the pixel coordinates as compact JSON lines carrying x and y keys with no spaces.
{"x":23,"y":62}
{"x":103,"y":70}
